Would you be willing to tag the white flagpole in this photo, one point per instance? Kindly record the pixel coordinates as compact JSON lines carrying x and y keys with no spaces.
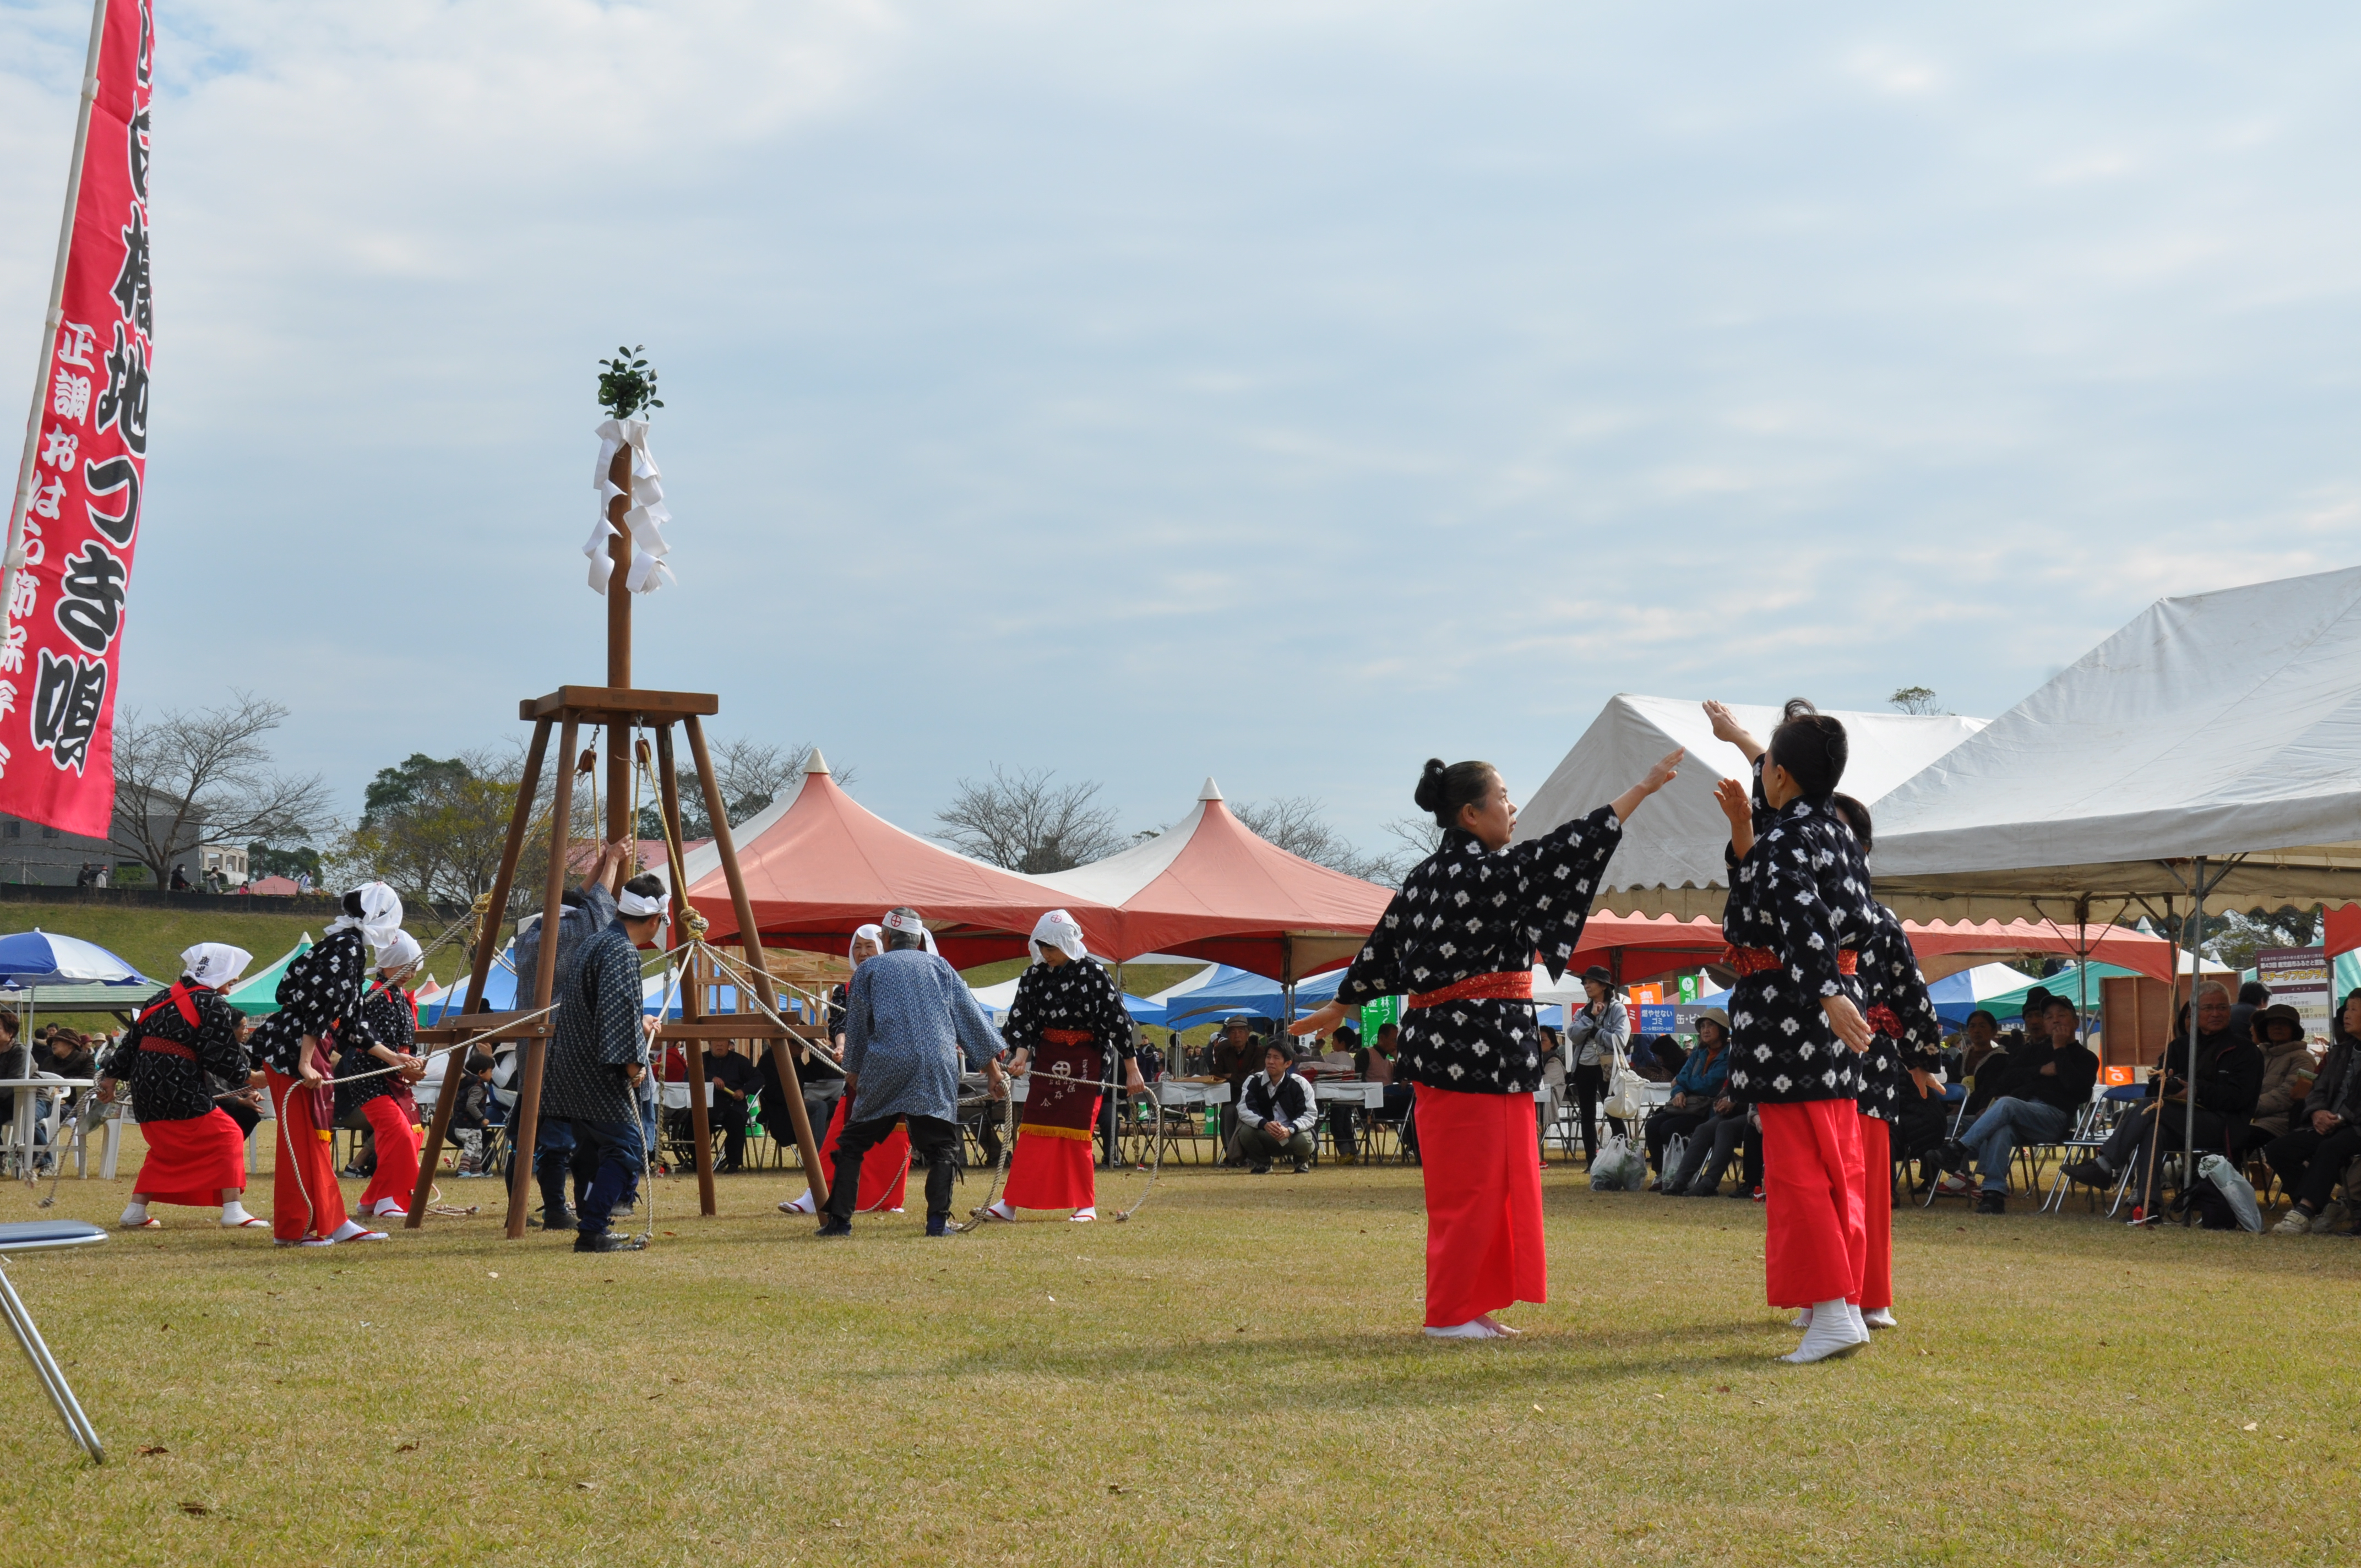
{"x":50,"y":321}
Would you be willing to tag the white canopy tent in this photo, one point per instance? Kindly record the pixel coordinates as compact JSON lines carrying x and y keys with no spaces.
{"x":1671,"y":859}
{"x":2220,"y":730}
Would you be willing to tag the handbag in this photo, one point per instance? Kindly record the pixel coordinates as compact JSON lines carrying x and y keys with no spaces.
{"x":1627,"y":1092}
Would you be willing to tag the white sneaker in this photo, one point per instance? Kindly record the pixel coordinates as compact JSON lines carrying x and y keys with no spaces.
{"x":1880,"y":1319}
{"x":2296,"y":1223}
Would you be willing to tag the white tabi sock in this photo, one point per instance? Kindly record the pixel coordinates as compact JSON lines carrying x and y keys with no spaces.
{"x":1001,"y":1210}
{"x":1833,"y":1332}
{"x":1803,"y":1320}
{"x":351,"y":1230}
{"x":233,"y":1213}
{"x":1085,"y":1215}
{"x":801,"y":1204}
{"x":1880,"y":1319}
{"x":134,"y":1214}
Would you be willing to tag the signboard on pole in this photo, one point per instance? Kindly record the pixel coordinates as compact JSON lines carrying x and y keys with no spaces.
{"x":2298,"y":977}
{"x":1376,"y":1015}
{"x":74,"y":520}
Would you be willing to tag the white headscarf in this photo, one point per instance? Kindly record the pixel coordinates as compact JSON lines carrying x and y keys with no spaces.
{"x":1060,"y":930}
{"x":874,"y":935}
{"x":214,"y":963}
{"x":399,"y":953}
{"x":380,"y":916}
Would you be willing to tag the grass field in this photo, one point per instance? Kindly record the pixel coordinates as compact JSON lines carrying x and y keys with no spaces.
{"x":1233,"y":1378}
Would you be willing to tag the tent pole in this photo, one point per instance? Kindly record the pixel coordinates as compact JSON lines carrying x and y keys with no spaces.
{"x":2188,"y":1086}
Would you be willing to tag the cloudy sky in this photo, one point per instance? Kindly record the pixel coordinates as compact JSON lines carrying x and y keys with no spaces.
{"x":1281,"y":391}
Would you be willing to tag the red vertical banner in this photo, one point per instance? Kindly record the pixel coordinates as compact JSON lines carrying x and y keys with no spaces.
{"x":86,"y":463}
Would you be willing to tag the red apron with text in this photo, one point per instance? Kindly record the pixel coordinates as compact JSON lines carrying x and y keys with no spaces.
{"x":1050,"y":1168}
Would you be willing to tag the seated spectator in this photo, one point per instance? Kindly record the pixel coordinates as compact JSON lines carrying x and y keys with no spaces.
{"x":1276,"y":1116}
{"x":2048,"y":1081}
{"x":2229,"y":1078}
{"x":1658,"y":1059}
{"x":1984,"y":1064}
{"x":69,"y":1055}
{"x":2309,"y":1159}
{"x":1401,"y":1100}
{"x":2288,"y":1072}
{"x":1343,"y":1059}
{"x":1697,"y":1089}
{"x":1925,"y":1118}
{"x":14,"y":1058}
{"x":733,"y":1079}
{"x":2253,"y":997}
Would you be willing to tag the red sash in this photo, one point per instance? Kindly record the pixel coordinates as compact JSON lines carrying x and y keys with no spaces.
{"x":179,"y":997}
{"x":1505,"y":985}
{"x":1755,"y":961}
{"x":166,"y":1049}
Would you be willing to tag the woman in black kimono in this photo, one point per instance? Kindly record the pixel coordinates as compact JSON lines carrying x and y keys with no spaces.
{"x":1066,"y":1027}
{"x":1460,"y":939}
{"x":1797,"y":916}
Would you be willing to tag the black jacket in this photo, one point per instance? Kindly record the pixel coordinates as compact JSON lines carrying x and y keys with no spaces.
{"x":2069,"y":1089}
{"x":1291,"y":1101}
{"x":2338,"y":1087}
{"x":2229,"y":1077}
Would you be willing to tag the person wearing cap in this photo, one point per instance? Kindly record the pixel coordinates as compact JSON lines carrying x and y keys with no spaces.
{"x":1594,"y":1032}
{"x":910,"y":1023}
{"x":320,"y":1007}
{"x":1701,"y":1084}
{"x":886,"y":1172}
{"x":196,"y":1155}
{"x":2048,"y":1085}
{"x":599,"y":1058}
{"x":2288,"y":1072}
{"x":1065,"y":1028}
{"x":378,"y":1079}
{"x":1236,"y":1055}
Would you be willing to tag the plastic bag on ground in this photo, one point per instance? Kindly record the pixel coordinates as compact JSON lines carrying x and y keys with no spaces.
{"x":2234,"y":1187}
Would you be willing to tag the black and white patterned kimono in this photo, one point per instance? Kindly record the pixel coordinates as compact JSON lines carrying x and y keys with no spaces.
{"x":599,"y":1033}
{"x":165,"y":1085}
{"x":391,"y":1022}
{"x":1888,"y":972}
{"x":1801,"y":896}
{"x":1466,"y":911}
{"x":319,"y":995}
{"x":1078,"y":994}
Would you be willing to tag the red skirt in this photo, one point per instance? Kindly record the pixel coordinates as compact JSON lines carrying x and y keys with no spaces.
{"x":885,"y":1170}
{"x":190,"y":1161}
{"x":1484,"y":1247}
{"x":1051,"y":1168}
{"x":1877,"y":1215}
{"x":1814,"y":1244}
{"x":304,"y":1198}
{"x":397,"y":1150}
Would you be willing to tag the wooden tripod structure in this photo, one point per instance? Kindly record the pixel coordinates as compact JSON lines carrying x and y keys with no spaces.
{"x":621,"y":709}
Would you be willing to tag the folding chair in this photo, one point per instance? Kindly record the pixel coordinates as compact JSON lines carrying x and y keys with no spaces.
{"x":46,"y":1235}
{"x":2089,"y":1130}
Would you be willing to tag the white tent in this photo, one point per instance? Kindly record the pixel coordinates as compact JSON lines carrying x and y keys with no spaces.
{"x":2221,"y":729}
{"x":1671,"y":858}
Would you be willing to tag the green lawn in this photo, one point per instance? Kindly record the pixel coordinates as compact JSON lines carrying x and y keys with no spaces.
{"x":1232,"y":1378}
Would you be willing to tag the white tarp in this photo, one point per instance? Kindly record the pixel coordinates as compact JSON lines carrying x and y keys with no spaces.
{"x":1670,"y":860}
{"x":2223,"y":725}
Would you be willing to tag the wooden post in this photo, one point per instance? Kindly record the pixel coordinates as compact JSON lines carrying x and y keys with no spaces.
{"x":619,"y":663}
{"x":750,"y":942}
{"x":692,"y":993}
{"x":488,"y":949}
{"x":526,"y":1121}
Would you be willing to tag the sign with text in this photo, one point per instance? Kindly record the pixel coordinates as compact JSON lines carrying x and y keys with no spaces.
{"x":77,"y":498}
{"x":2299,"y":977}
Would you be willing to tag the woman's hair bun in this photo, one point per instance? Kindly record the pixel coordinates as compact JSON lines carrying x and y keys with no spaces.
{"x":1429,"y":795}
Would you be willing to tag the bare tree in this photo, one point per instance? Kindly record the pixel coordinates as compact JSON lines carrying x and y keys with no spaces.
{"x":1415,"y":838}
{"x":1296,"y":824}
{"x":1916,"y":699}
{"x":1023,"y":821}
{"x":751,"y":773}
{"x":205,"y":774}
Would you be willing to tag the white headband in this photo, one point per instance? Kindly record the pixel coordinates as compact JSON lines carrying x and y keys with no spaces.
{"x":639,"y":906}
{"x":399,"y":953}
{"x":214,"y":963}
{"x":908,"y":925}
{"x":1060,"y":930}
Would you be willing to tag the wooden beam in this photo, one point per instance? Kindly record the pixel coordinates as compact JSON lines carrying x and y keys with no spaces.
{"x":526,"y":1120}
{"x":601,"y":704}
{"x":746,"y":1027}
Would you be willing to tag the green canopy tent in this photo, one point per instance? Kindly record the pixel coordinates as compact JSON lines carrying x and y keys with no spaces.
{"x":258,"y":996}
{"x":2009,"y":1005}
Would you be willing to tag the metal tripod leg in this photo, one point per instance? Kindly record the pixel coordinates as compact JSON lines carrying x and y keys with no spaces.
{"x":37,"y":1351}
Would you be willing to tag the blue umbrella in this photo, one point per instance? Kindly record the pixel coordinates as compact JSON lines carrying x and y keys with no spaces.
{"x":36,"y":957}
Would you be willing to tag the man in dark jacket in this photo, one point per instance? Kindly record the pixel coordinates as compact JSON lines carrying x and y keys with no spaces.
{"x":2048,"y":1081}
{"x":2327,"y":1135}
{"x":1275,"y":1115}
{"x":2227,"y":1080}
